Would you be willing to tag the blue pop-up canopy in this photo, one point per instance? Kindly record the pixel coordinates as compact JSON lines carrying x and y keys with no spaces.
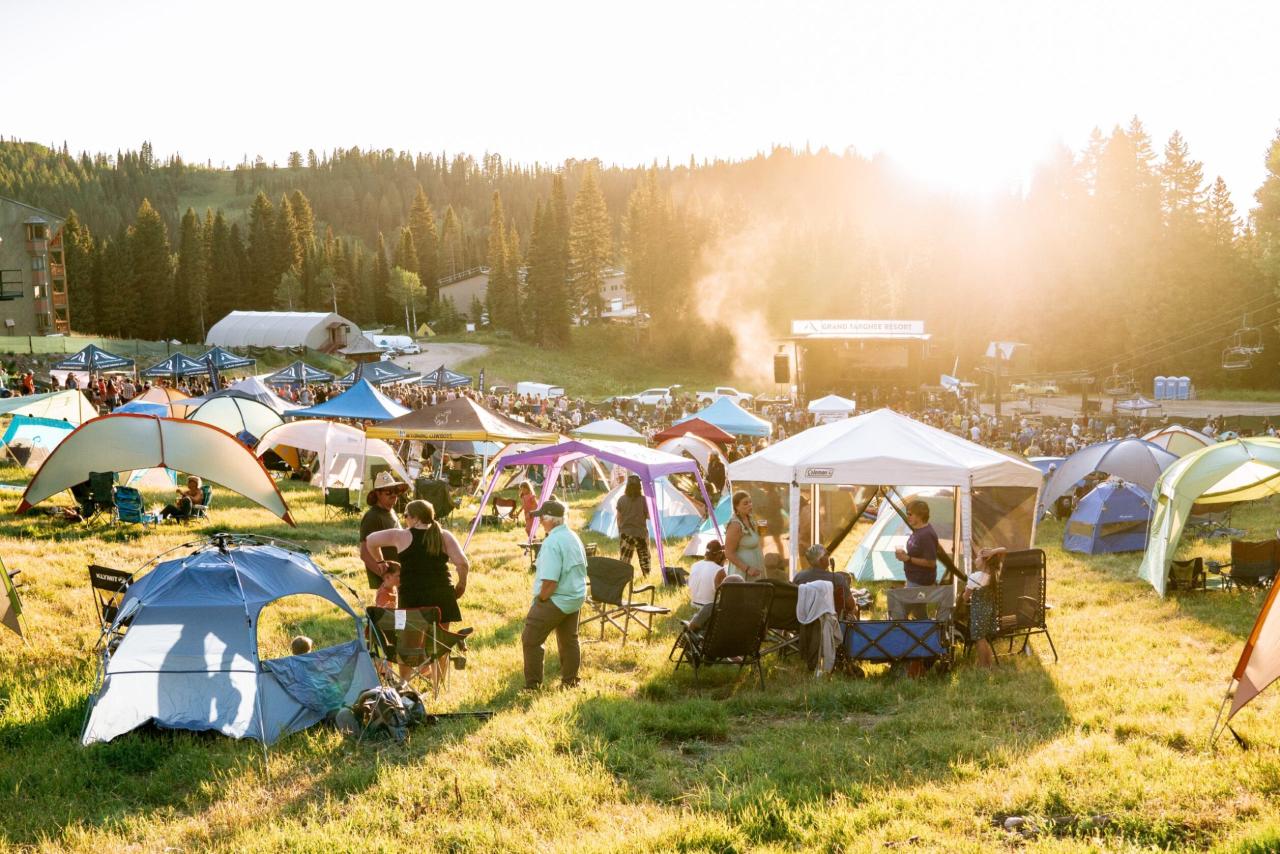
{"x":732,"y":418}
{"x":224,"y":360}
{"x":442,"y":377}
{"x":361,"y":402}
{"x":177,"y":365}
{"x":299,"y":373}
{"x":93,"y":358}
{"x":381,"y":373}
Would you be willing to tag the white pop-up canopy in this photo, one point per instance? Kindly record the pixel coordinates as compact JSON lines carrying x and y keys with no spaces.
{"x":883,"y":447}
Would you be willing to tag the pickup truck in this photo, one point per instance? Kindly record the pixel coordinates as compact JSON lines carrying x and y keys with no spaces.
{"x":1037,"y":388}
{"x":653,"y":396}
{"x":723,"y":391}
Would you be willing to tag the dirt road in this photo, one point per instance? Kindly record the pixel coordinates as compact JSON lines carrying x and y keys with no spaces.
{"x":433,"y":355}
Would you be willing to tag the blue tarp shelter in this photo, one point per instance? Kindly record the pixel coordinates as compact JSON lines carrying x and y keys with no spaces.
{"x":732,"y":418}
{"x":177,"y":365}
{"x":299,"y":373}
{"x":361,"y":402}
{"x":1113,"y":517}
{"x":442,"y":377}
{"x":94,"y":359}
{"x":190,"y":658}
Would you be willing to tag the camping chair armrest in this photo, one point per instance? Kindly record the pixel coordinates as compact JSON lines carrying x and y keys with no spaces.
{"x":1216,"y":566}
{"x":648,"y":588}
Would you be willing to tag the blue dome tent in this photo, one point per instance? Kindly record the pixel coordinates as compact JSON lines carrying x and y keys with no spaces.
{"x":1113,"y":517}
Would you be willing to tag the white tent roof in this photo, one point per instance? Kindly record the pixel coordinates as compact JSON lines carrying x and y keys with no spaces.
{"x":832,"y":403}
{"x":277,"y":329}
{"x":236,"y":415}
{"x":608,"y":428}
{"x":70,"y":406}
{"x":883,"y":447}
{"x":699,"y":448}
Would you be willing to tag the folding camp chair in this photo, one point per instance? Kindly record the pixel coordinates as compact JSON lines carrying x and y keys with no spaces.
{"x":783,"y":627}
{"x":1253,"y":564}
{"x":413,"y":639}
{"x":1020,"y":600}
{"x":611,"y":598}
{"x":1187,"y":575}
{"x":734,"y":634}
{"x":11,"y":604}
{"x":129,"y":507}
{"x":101,"y":493}
{"x":108,"y":587}
{"x":201,"y":510}
{"x":338,"y":498}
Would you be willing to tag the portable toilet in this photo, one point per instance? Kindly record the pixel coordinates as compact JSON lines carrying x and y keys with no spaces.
{"x":1183,"y":388}
{"x":1161,"y":387}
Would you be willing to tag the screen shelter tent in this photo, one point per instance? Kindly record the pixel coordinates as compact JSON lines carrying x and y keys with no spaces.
{"x":1225,"y":473}
{"x":299,"y":373}
{"x":177,"y":365}
{"x":344,"y":453}
{"x":647,"y":463}
{"x":94,"y":360}
{"x":121,"y":443}
{"x":223,"y":360}
{"x":1178,"y":440}
{"x":190,"y":659}
{"x":1135,"y":460}
{"x":732,"y":418}
{"x":361,"y":402}
{"x":70,"y":406}
{"x":459,"y":420}
{"x":442,"y":377}
{"x":881,"y":448}
{"x":1113,"y":517}
{"x":610,"y":430}
{"x":695,"y":426}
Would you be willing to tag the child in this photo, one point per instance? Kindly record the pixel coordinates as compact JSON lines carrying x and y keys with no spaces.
{"x":386,"y":596}
{"x":979,"y":592}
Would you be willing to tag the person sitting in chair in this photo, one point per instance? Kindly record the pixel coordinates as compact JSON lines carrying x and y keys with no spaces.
{"x":819,"y":569}
{"x":187,"y":499}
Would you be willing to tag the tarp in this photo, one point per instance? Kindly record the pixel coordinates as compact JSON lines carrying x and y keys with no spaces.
{"x":382,"y":373}
{"x":70,"y":406}
{"x":299,"y":373}
{"x":732,"y":418}
{"x":1135,"y":460}
{"x":1178,"y":440}
{"x":1238,"y":470}
{"x":694,"y":427}
{"x":177,"y":365}
{"x":344,"y":451}
{"x":237,"y":415}
{"x":874,"y":559}
{"x":119,"y":443}
{"x":93,"y":359}
{"x":679,"y":517}
{"x":609,"y":429}
{"x":225,"y":361}
{"x":361,"y":402}
{"x":460,"y":419}
{"x":442,"y":377}
{"x":1113,"y":517}
{"x":190,"y":658}
{"x":31,"y":440}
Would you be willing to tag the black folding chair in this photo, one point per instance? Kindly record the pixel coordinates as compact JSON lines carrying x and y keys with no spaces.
{"x":102,"y":494}
{"x":783,"y":627}
{"x":414,"y":639}
{"x":1187,"y":575}
{"x":338,"y":499}
{"x":108,"y":586}
{"x":611,"y":598}
{"x":1020,"y":600}
{"x":734,"y":634}
{"x":1253,"y":564}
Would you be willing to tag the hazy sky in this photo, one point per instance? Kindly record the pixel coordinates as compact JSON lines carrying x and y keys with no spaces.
{"x":962,"y":94}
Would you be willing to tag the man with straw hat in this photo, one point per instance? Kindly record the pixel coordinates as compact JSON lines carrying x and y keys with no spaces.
{"x":380,"y":516}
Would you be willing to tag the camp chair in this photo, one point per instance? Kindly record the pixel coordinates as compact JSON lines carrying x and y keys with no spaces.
{"x":201,"y":510}
{"x":783,"y":627}
{"x":101,"y":493}
{"x":1253,"y":564}
{"x":735,"y":632}
{"x":611,"y":597}
{"x":108,"y":586}
{"x":11,"y":604}
{"x":129,"y":507}
{"x":1020,"y":600}
{"x":414,"y":638}
{"x":1187,"y":575}
{"x":339,"y":499}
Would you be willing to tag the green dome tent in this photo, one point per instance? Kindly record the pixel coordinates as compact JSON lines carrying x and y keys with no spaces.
{"x":1238,"y":470}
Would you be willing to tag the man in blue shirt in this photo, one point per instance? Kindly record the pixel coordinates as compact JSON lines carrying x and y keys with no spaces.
{"x":559,"y":588}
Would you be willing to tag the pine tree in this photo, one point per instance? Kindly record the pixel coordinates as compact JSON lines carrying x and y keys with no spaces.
{"x":501,"y":293}
{"x":559,"y":312}
{"x":1181,"y":178}
{"x":78,"y":249}
{"x":190,"y":281}
{"x":1220,"y":214}
{"x":513,"y":263}
{"x":262,"y":275}
{"x":224,"y":274}
{"x":426,"y":244}
{"x":590,"y":246}
{"x":304,"y":220}
{"x":288,"y":244}
{"x":118,"y":309}
{"x":452,"y":255}
{"x":152,"y":274}
{"x":381,"y":284}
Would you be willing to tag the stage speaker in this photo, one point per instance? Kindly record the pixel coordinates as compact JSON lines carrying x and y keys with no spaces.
{"x":781,"y":368}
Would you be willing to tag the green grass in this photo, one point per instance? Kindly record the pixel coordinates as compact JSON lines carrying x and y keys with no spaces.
{"x":1243,"y":395}
{"x":602,"y":362}
{"x":638,"y":758}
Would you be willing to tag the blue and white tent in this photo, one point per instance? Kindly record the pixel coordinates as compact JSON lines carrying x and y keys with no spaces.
{"x":1113,"y":517}
{"x":32,"y":440}
{"x":177,"y":365}
{"x":381,"y":373}
{"x":299,"y":373}
{"x":224,"y":360}
{"x":190,"y":657}
{"x":732,"y":418}
{"x":680,"y":516}
{"x":93,"y":359}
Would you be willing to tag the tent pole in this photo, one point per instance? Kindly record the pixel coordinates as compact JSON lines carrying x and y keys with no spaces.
{"x":651,"y":498}
{"x":1216,"y":731}
{"x":711,"y":509}
{"x":793,"y":529}
{"x":484,"y":499}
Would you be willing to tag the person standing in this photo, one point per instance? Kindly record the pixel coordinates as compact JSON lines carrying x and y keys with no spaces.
{"x":633,"y":524}
{"x":920,"y":557}
{"x":559,"y":588}
{"x":742,"y":541}
{"x":380,"y":516}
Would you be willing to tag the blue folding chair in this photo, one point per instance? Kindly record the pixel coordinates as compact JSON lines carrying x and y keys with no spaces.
{"x":129,"y":507}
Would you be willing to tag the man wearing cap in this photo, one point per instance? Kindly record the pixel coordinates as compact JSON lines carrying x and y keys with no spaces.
{"x":380,"y":516}
{"x":559,"y":588}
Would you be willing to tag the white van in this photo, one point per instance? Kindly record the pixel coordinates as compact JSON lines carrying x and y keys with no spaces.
{"x":542,"y":390}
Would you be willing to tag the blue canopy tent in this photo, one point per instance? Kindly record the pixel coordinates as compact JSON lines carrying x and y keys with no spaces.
{"x":361,"y":402}
{"x":442,"y":377}
{"x":381,"y":373}
{"x":94,"y":359}
{"x":299,"y":373}
{"x":1113,"y":517}
{"x":732,"y":418}
{"x":191,"y":659}
{"x":224,"y":360}
{"x":177,"y":365}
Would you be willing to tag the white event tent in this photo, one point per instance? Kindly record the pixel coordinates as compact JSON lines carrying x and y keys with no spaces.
{"x":884,"y":448}
{"x":833,"y":407}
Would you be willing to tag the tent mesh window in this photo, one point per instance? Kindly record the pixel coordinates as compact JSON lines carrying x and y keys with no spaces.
{"x":1115,"y":529}
{"x":1080,"y":529}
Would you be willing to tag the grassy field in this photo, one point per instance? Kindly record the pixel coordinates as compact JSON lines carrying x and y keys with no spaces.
{"x":638,"y":758}
{"x":1243,"y":395}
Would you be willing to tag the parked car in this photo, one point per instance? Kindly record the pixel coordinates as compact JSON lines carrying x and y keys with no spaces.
{"x":739,"y":397}
{"x":1037,"y":388}
{"x":653,"y":396}
{"x":410,"y":349}
{"x":542,"y":390}
{"x":389,"y":354}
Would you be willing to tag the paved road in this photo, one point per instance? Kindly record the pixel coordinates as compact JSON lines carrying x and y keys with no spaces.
{"x":433,"y":355}
{"x":1067,"y":405}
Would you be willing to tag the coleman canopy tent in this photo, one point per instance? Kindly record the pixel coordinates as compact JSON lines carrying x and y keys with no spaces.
{"x":1238,"y":470}
{"x":93,"y":359}
{"x":457,"y":420}
{"x":119,"y":443}
{"x":610,"y":430}
{"x":225,"y":361}
{"x":70,"y":406}
{"x":442,"y":377}
{"x":694,"y":426}
{"x":1178,"y":440}
{"x":190,"y":659}
{"x":1135,"y":460}
{"x":882,"y":448}
{"x":361,"y":402}
{"x":732,"y":418}
{"x":299,"y":373}
{"x":344,"y":453}
{"x":1113,"y":517}
{"x":177,"y":365}
{"x":875,"y":559}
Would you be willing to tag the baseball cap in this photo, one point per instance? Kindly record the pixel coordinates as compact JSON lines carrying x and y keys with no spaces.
{"x":551,"y":507}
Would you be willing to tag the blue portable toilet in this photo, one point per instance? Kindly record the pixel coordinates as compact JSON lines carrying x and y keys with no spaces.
{"x":1183,"y":390}
{"x":1113,"y":517}
{"x":1161,"y":387}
